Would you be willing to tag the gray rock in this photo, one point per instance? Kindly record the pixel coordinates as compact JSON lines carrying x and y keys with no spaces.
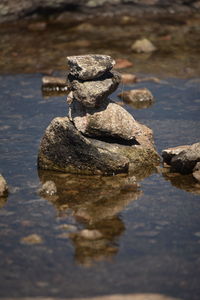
{"x":185,"y":161}
{"x":3,"y":187}
{"x":92,"y":93}
{"x":110,"y":120}
{"x":63,"y":148}
{"x":87,"y":67}
{"x":169,"y":153}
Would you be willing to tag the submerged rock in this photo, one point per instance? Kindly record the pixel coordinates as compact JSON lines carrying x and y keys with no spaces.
{"x":3,"y":187}
{"x":86,"y":67}
{"x":143,"y":46}
{"x":137,"y":95}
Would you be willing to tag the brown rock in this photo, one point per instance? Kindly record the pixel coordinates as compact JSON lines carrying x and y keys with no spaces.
{"x":32,"y":239}
{"x":122,"y":63}
{"x":128,"y":78}
{"x":3,"y":187}
{"x":137,"y":95}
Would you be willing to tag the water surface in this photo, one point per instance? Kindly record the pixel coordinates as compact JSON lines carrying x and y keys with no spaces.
{"x":150,"y":239}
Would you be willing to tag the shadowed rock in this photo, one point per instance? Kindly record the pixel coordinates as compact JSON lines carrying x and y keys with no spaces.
{"x":63,"y":148}
{"x":92,"y":93}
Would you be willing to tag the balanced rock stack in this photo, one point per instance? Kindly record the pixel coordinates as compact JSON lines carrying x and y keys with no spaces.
{"x":98,"y":136}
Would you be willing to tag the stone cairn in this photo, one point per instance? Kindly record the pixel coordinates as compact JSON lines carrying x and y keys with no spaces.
{"x":98,"y":136}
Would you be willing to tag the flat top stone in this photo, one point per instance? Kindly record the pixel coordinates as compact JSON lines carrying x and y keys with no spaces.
{"x":88,"y":67}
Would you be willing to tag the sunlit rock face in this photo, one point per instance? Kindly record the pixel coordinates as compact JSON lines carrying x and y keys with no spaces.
{"x":98,"y":136}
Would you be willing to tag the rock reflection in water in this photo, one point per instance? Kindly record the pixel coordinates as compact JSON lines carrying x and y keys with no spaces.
{"x":95,"y":203}
{"x":184,"y":182}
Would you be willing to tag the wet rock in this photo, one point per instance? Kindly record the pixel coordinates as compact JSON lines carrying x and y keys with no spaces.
{"x":32,"y":239}
{"x":63,"y":148}
{"x":48,"y":188}
{"x":110,"y":120}
{"x":3,"y":187}
{"x":137,"y":95}
{"x":88,"y":67}
{"x":128,"y":78}
{"x":143,"y":46}
{"x":196,"y":172}
{"x":169,"y":153}
{"x":185,"y":161}
{"x":122,"y":63}
{"x":92,"y":93}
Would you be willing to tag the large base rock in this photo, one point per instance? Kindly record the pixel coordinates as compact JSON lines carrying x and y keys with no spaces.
{"x":63,"y":148}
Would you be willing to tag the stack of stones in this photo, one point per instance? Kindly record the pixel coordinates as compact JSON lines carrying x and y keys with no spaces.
{"x":98,"y":136}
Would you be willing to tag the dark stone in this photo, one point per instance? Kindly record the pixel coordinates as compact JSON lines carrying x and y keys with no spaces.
{"x":186,"y":160}
{"x":63,"y":148}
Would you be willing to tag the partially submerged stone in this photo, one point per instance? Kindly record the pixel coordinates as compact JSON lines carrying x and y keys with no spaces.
{"x":186,"y":160}
{"x":169,"y":153}
{"x":182,"y":159}
{"x":63,"y":148}
{"x":3,"y":187}
{"x":86,"y":67}
{"x":92,"y":93}
{"x":143,"y":46}
{"x":137,"y":95}
{"x":110,"y":120}
{"x":196,"y":172}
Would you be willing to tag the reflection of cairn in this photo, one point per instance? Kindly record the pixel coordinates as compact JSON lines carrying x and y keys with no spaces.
{"x":99,"y":137}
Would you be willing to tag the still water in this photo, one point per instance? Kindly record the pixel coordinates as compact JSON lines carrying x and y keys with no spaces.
{"x":149,"y":239}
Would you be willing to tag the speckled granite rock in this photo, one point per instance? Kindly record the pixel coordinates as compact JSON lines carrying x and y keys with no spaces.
{"x":86,"y":67}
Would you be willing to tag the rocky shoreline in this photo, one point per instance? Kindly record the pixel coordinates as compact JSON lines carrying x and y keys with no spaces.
{"x":10,"y":11}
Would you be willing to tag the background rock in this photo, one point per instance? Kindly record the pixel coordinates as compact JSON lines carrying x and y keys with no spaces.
{"x":13,"y":10}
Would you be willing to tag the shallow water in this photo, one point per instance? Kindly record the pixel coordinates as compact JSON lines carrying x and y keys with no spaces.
{"x":150,"y":238}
